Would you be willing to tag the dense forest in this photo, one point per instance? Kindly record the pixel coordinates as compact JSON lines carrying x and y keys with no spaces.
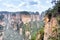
{"x":55,"y":11}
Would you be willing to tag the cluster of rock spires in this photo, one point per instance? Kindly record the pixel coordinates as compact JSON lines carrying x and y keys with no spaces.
{"x":51,"y":29}
{"x":9,"y":33}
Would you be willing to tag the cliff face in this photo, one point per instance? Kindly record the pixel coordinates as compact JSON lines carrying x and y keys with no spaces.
{"x":27,"y":18}
{"x":24,"y":16}
{"x":50,"y":29}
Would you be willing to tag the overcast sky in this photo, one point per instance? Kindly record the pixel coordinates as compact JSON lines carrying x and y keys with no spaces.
{"x":25,"y":5}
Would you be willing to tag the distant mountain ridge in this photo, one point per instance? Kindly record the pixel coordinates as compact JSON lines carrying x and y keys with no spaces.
{"x":19,"y":12}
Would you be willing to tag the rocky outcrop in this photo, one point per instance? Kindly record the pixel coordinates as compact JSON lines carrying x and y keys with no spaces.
{"x":50,"y":29}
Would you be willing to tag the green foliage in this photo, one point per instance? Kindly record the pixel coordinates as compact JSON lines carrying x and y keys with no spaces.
{"x":55,"y":11}
{"x":34,"y":36}
{"x":1,"y":17}
{"x":52,"y":38}
{"x":58,"y":19}
{"x":24,"y":12}
{"x":28,"y":26}
{"x":24,"y":25}
{"x":41,"y":30}
{"x":34,"y":29}
{"x":42,"y":33}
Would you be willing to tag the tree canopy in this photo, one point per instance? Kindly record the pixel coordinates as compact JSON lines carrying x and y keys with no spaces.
{"x":55,"y":11}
